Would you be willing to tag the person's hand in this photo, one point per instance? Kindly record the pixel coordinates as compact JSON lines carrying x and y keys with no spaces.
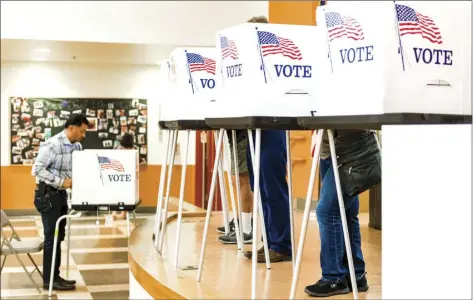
{"x":67,"y":183}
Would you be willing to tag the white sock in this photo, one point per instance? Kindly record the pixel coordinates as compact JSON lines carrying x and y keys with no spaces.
{"x":246,"y":222}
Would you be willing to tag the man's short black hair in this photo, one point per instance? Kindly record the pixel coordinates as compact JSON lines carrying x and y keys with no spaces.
{"x":127,"y":141}
{"x":76,"y":120}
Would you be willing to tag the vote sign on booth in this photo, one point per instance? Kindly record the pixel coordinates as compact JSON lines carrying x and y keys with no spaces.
{"x":397,"y":57}
{"x":269,"y":61}
{"x":191,"y":81}
{"x":105,"y":177}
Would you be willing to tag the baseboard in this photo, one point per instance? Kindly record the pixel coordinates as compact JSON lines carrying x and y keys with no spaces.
{"x":300,"y":204}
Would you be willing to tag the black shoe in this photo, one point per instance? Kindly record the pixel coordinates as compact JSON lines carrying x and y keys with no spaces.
{"x":68,"y":282}
{"x":59,"y":286}
{"x":327,"y":289}
{"x":232,"y":239}
{"x":361,"y":283}
{"x":231,"y":227}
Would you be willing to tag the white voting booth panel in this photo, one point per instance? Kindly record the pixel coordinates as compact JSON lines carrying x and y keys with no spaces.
{"x":191,"y":83}
{"x":105,"y":178}
{"x":371,"y":75}
{"x":269,"y":70}
{"x":165,"y":113}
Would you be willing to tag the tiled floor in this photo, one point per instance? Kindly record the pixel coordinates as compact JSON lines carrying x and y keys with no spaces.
{"x":98,"y":261}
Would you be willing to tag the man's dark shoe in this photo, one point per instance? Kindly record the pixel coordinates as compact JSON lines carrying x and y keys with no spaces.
{"x":274,"y":257}
{"x":231,"y":227}
{"x":249,"y":254}
{"x":68,"y":282}
{"x":328,"y":288}
{"x":232,"y":239}
{"x":59,"y":286}
{"x":361,"y":283}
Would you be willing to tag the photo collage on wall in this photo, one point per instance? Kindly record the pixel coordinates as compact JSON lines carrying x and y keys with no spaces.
{"x":34,"y":120}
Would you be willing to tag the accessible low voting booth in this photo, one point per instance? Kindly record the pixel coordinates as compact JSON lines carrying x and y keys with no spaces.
{"x":105,"y":178}
{"x":102,"y":180}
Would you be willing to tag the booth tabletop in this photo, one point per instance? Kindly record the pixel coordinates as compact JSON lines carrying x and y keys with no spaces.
{"x":106,"y":206}
{"x":376,"y":121}
{"x":255,"y":122}
{"x":186,"y":125}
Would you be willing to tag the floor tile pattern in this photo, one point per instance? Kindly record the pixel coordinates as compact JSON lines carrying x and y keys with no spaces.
{"x":98,"y":260}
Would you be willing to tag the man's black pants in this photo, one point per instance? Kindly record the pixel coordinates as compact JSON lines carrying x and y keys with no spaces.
{"x":52,"y":205}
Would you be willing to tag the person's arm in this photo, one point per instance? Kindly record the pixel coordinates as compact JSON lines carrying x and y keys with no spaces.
{"x":46,"y":156}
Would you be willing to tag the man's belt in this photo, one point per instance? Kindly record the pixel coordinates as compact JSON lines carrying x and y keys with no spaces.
{"x":50,"y":188}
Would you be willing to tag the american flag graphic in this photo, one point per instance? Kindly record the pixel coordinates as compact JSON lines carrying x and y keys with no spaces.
{"x":339,"y":26}
{"x":199,"y":63}
{"x":110,"y":164}
{"x":272,"y":44}
{"x":412,"y":22}
{"x":229,"y":48}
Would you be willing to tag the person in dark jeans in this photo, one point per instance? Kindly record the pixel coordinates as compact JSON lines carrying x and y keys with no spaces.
{"x":333,"y":260}
{"x":53,"y":172}
{"x":274,"y":195}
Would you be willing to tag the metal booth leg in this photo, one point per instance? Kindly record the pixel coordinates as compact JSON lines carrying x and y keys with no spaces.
{"x":210,"y":202}
{"x":260,"y":206}
{"x":237,"y":183}
{"x":289,"y":183}
{"x":56,"y":234}
{"x":162,"y":180}
{"x":305,"y":218}
{"x":255,"y":211}
{"x":343,"y":216}
{"x":128,"y":223}
{"x":223,"y":190}
{"x":68,"y":244}
{"x":168,"y":191}
{"x":237,"y":220}
{"x":181,"y":198}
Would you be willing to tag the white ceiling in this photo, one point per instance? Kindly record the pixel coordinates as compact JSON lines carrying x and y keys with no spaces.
{"x":192,"y":23}
{"x":83,"y":52}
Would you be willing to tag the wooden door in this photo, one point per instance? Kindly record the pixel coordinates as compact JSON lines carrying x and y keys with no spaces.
{"x":205,"y":157}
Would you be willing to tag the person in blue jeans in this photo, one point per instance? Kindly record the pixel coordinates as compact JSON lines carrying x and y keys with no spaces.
{"x":274,"y":195}
{"x":335,"y":273}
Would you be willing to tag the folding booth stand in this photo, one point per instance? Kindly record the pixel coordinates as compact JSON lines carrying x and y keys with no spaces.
{"x":260,"y":76}
{"x":186,"y":69}
{"x":353,"y":122}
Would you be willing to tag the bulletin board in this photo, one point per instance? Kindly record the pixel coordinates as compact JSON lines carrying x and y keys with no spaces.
{"x":34,"y":120}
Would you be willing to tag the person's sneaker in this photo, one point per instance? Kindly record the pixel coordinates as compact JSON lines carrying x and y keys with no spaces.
{"x":231,"y":227}
{"x":328,"y":288}
{"x":232,"y":239}
{"x":361,"y":283}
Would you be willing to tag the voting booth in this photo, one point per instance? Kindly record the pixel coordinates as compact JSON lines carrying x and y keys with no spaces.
{"x":408,"y":57}
{"x":191,"y":85}
{"x":107,"y":178}
{"x":269,"y":70}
